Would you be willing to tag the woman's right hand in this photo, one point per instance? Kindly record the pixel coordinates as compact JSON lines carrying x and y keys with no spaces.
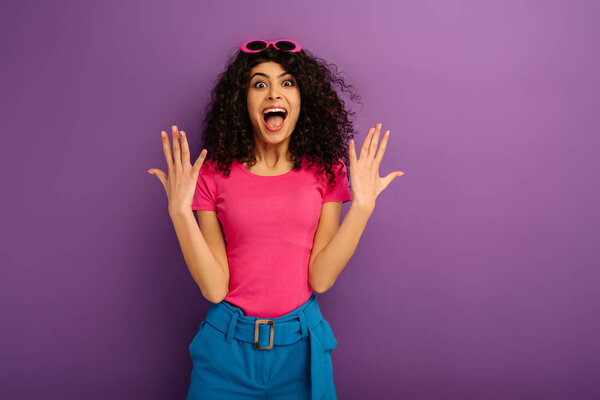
{"x":180,"y":184}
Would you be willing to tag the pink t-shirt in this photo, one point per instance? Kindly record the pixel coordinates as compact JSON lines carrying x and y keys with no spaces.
{"x":269,"y":224}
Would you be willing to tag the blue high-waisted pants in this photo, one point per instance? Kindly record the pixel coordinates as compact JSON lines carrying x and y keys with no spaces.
{"x":291,"y":360}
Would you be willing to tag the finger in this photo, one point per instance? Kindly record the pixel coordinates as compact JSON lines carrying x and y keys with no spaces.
{"x":200,"y":160}
{"x":176,"y":149}
{"x":162,"y":177}
{"x":381,"y":150}
{"x":374,"y":141}
{"x":167,"y":151}
{"x":352,"y":153}
{"x":389,"y":178}
{"x":185,"y":150}
{"x":366,"y":143}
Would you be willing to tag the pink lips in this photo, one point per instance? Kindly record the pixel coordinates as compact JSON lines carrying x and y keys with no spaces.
{"x":284,"y":118}
{"x":268,"y":108}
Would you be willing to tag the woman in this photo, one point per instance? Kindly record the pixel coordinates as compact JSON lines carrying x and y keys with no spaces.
{"x":268,"y":200}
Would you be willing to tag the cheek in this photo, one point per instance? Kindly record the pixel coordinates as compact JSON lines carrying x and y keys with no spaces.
{"x":295,"y":117}
{"x":252,"y":103}
{"x":252,"y":113}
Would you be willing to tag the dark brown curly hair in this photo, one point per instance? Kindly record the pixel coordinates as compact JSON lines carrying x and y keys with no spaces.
{"x":321,"y":134}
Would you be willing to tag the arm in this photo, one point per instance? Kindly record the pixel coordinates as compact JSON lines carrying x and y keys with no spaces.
{"x":331,"y":260}
{"x":367,"y":185}
{"x":207,"y":271}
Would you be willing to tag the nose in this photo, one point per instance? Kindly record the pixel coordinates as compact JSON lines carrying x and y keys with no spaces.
{"x":273,"y":93}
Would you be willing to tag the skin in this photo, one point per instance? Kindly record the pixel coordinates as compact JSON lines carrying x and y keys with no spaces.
{"x":337,"y":248}
{"x":271,"y":148}
{"x":367,"y":185}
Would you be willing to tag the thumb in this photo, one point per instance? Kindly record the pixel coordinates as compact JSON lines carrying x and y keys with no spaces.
{"x":162,"y":177}
{"x":392,"y":176}
{"x":200,"y":161}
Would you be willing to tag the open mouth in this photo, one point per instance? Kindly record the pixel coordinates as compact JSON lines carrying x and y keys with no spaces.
{"x":274,"y":119}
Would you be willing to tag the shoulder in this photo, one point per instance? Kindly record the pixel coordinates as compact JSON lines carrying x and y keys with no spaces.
{"x":339,"y":171}
{"x":211,"y":167}
{"x":207,"y":166}
{"x":338,"y":165}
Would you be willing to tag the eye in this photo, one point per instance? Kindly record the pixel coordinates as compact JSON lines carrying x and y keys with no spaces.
{"x":291,"y":83}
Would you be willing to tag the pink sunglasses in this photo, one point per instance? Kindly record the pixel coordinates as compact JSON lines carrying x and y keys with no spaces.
{"x":257,"y":45}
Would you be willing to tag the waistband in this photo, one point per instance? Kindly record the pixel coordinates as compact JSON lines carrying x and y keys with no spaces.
{"x":287,"y":329}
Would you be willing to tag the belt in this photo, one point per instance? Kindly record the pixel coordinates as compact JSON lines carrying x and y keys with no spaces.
{"x":284,"y":330}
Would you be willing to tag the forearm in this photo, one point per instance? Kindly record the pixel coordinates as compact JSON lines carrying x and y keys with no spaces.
{"x":330,"y":261}
{"x":206,"y":270}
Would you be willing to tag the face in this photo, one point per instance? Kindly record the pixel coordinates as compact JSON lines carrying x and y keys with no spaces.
{"x":270,"y":85}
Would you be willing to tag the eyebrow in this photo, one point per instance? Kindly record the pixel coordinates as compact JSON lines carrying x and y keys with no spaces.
{"x":266,"y":76}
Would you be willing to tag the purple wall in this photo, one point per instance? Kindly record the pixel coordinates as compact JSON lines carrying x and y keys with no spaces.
{"x":476,"y":277}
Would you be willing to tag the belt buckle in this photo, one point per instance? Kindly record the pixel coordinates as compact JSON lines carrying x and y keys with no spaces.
{"x":271,"y":332}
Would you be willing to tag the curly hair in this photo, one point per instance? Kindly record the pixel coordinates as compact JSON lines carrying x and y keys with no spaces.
{"x":321,"y":134}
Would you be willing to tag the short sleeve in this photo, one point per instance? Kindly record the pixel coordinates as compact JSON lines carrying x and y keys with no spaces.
{"x":205,"y":196}
{"x":341,"y":190}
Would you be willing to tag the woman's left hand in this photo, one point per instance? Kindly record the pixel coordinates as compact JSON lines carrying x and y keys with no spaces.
{"x":364,"y":172}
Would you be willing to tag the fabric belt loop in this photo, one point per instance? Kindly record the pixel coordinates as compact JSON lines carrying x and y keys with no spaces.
{"x":303,"y":324}
{"x":231,"y":328}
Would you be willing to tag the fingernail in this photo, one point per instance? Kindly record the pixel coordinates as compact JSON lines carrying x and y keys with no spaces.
{"x":180,"y":134}
{"x":162,"y":133}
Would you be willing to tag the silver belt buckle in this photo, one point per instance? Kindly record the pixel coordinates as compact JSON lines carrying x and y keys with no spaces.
{"x":271,"y":332}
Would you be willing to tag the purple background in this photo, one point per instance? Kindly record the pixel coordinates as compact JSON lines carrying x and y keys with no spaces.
{"x":476,"y":276}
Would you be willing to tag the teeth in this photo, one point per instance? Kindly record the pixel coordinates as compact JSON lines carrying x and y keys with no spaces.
{"x":274,"y":110}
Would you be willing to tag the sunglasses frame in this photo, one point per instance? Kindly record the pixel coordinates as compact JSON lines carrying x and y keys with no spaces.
{"x":245,"y":49}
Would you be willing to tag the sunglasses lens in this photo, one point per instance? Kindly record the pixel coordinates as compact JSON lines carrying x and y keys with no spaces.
{"x":256,"y":45}
{"x":285,"y":45}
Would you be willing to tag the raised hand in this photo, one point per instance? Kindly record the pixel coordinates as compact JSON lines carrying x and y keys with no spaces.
{"x":180,"y":183}
{"x":364,"y":172}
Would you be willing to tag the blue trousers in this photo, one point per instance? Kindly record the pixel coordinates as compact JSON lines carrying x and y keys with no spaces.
{"x":241,"y":357}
